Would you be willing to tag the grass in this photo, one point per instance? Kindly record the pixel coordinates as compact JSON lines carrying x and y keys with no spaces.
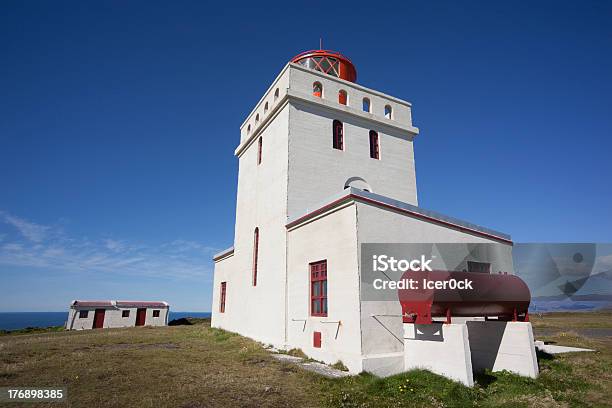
{"x":198,"y":366}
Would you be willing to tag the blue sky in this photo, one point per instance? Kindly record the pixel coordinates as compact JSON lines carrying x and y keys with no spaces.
{"x":118,"y":122}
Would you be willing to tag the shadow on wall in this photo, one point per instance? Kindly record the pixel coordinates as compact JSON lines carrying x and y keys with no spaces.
{"x":485,"y":341}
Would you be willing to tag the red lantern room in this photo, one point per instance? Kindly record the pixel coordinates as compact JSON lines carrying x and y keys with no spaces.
{"x":329,"y":62}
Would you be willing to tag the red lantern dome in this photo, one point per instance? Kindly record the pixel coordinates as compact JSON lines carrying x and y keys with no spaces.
{"x":329,"y":62}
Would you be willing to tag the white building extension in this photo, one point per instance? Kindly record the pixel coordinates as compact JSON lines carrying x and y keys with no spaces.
{"x":97,"y":314}
{"x":325,"y":165}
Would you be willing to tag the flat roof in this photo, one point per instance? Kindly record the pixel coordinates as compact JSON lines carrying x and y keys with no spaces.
{"x":392,"y":204}
{"x":118,"y":303}
{"x":223,"y":253}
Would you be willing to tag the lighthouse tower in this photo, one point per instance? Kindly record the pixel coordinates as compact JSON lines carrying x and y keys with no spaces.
{"x":325,"y":164}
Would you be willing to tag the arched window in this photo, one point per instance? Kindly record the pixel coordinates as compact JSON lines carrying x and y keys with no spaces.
{"x":338,"y":135}
{"x":257,"y":118}
{"x":317,"y":89}
{"x":266,"y":108}
{"x":259,"y":147}
{"x":374,"y":146}
{"x":255,"y":254}
{"x":388,"y":112}
{"x":276,"y":94}
{"x":248,"y":129}
{"x":366,"y":105}
{"x":342,"y":97}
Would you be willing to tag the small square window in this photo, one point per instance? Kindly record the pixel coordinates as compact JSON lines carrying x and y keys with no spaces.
{"x":156,"y":313}
{"x":125,"y":313}
{"x":83,"y":314}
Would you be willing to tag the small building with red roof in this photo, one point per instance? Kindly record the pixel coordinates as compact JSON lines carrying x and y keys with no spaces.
{"x":98,"y":314}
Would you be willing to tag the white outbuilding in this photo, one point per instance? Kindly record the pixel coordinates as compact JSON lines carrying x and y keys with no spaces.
{"x":98,"y":314}
{"x":324,"y":166}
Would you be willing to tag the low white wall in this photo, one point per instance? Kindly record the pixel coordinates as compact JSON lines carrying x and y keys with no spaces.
{"x":503,"y":346}
{"x":440,"y":348}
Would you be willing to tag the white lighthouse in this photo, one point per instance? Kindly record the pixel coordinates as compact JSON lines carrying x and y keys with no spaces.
{"x":325,"y":165}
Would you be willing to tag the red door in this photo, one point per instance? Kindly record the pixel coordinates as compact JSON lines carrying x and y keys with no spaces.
{"x":98,"y":322}
{"x":141,"y":314}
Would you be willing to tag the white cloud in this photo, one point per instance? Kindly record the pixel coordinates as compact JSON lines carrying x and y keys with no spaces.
{"x":31,"y":231}
{"x":46,"y":247}
{"x":114,"y":245}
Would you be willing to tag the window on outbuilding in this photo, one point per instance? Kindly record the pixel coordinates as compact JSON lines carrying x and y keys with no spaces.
{"x":318,"y":288}
{"x":338,"y":135}
{"x":156,"y":313}
{"x":317,"y":89}
{"x":222,"y":298}
{"x":83,"y":314}
{"x":125,"y":313}
{"x":366,"y":105}
{"x":259,"y":147}
{"x":388,"y":112}
{"x":342,"y":97}
{"x":374,"y":146}
{"x":255,"y":254}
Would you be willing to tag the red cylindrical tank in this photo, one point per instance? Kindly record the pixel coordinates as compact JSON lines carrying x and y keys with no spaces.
{"x":503,"y":296}
{"x":329,"y":62}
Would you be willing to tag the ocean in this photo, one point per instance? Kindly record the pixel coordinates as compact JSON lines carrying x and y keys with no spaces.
{"x":21,"y":320}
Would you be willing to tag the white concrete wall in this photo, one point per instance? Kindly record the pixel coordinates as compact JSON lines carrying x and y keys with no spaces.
{"x":273,"y":97}
{"x":440,"y":348}
{"x":258,"y":311}
{"x":302,"y":80}
{"x":113,"y":318}
{"x":224,"y":269}
{"x":332,"y":238}
{"x":381,"y":322}
{"x":317,"y":170}
{"x":503,"y":346}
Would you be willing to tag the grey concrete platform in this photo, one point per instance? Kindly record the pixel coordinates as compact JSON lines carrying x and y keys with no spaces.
{"x":553,"y":349}
{"x":313,"y":366}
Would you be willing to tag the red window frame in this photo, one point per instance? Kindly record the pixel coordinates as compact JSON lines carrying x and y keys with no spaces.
{"x":342,"y":97}
{"x":338,"y":135}
{"x":255,"y":254}
{"x":222,"y":298}
{"x":259,"y":147}
{"x":374,"y":145}
{"x":318,"y":288}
